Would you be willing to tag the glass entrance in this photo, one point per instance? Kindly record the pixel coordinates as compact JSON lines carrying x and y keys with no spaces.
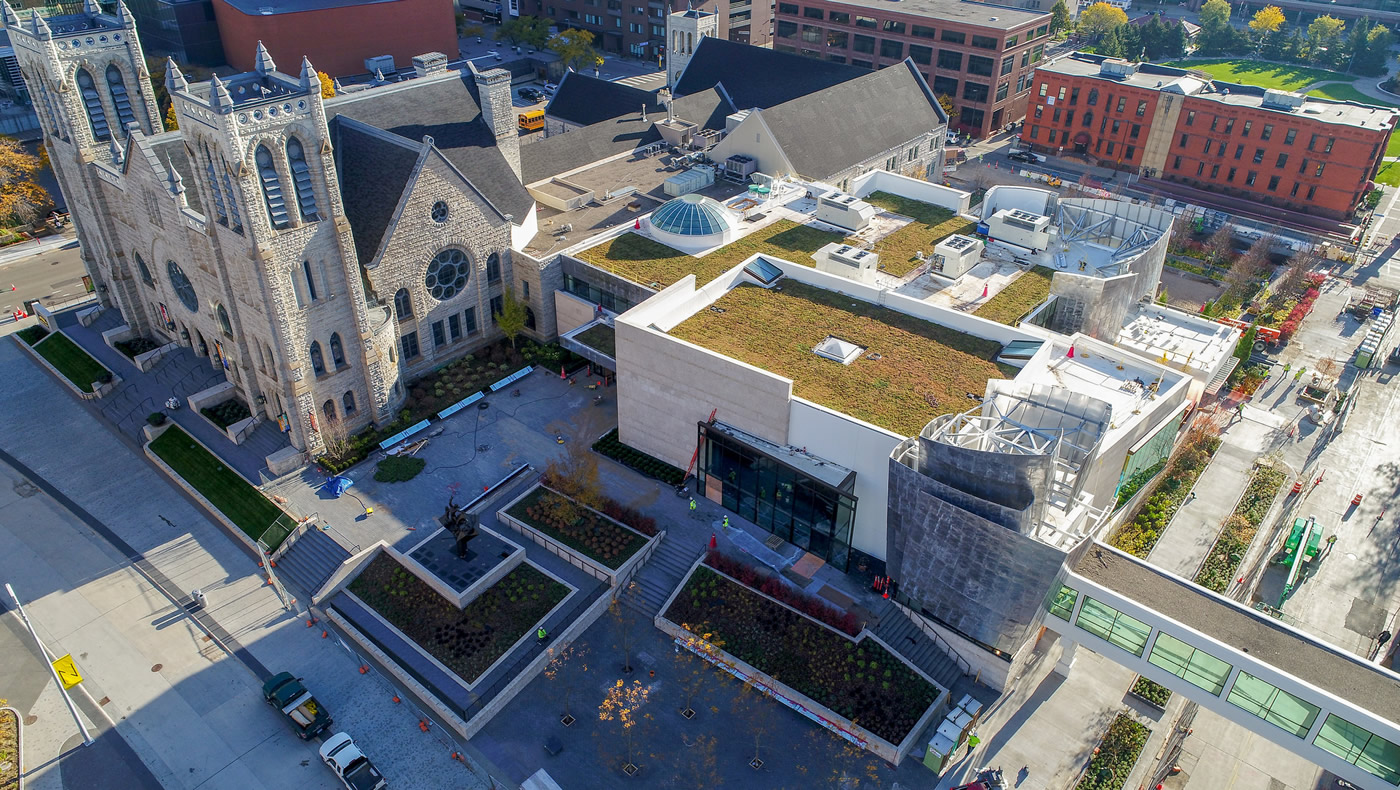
{"x":770,"y":493}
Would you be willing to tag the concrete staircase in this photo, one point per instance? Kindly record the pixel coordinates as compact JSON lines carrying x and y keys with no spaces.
{"x":900,"y":633}
{"x":659,"y":576}
{"x":310,"y":561}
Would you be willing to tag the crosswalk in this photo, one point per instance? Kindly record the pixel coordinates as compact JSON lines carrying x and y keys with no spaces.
{"x":647,"y":82}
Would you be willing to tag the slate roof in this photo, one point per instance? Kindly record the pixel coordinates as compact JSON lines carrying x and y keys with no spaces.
{"x":828,"y":131}
{"x":374,"y":167}
{"x":447,"y":108}
{"x":759,"y":77}
{"x":564,"y":152}
{"x":173,"y":151}
{"x":584,"y":100}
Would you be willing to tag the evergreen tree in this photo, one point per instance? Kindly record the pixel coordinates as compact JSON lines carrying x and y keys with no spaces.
{"x":1059,"y":17}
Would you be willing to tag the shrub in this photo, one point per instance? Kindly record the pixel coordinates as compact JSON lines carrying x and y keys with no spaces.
{"x":611,"y":447}
{"x":1141,"y":534}
{"x":227,"y":413}
{"x":156,"y":418}
{"x":1154,"y":693}
{"x":32,"y":334}
{"x":1116,"y":755}
{"x":774,"y":587}
{"x":135,"y":346}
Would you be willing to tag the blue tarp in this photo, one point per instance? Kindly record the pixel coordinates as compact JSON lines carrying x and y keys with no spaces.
{"x":335,"y":486}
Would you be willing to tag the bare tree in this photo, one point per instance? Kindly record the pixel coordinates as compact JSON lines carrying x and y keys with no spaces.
{"x":1220,"y":247}
{"x":754,"y":707}
{"x":566,"y":664}
{"x":1290,"y":282}
{"x":622,"y":608}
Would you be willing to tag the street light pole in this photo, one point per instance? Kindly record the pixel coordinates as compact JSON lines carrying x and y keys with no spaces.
{"x":53,"y":673}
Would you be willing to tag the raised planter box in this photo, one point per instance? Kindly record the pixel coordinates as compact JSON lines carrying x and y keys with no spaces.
{"x":576,"y":557}
{"x":12,"y":765}
{"x":1117,"y":753}
{"x":98,"y":389}
{"x":468,"y":683}
{"x":794,"y":699}
{"x":208,"y":397}
{"x":148,"y":360}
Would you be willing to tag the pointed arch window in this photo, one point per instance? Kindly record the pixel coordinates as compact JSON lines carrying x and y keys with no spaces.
{"x":328,"y":410}
{"x":144,"y":270}
{"x":348,"y":402}
{"x":318,"y":364}
{"x":271,"y":362}
{"x":222,"y":316}
{"x":214,"y":187}
{"x":403,"y":306}
{"x":234,"y":216}
{"x":272,"y":189}
{"x":121,"y":100}
{"x":301,"y":178}
{"x":337,"y":350}
{"x":97,"y":115}
{"x":493,"y":267}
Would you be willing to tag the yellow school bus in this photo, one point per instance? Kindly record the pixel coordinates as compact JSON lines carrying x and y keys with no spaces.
{"x":531,"y":121}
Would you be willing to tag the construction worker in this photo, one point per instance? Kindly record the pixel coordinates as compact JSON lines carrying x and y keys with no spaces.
{"x":726,"y":522}
{"x":692,"y":504}
{"x":540,"y":633}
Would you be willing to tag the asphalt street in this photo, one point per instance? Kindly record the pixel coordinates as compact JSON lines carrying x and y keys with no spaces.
{"x":52,"y":275}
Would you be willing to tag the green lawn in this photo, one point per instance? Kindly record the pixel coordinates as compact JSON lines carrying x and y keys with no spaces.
{"x":1265,"y":75}
{"x":1340,"y":91}
{"x":931,"y":225}
{"x":242,"y":504}
{"x":1024,"y":294}
{"x":73,"y":362}
{"x":1389,"y":174}
{"x":653,"y":264}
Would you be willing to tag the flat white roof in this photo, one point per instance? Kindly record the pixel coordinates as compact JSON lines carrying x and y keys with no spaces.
{"x":1184,"y":339}
{"x":1094,"y":370}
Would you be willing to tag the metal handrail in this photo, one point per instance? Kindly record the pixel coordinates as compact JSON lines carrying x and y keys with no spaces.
{"x":929,"y":632}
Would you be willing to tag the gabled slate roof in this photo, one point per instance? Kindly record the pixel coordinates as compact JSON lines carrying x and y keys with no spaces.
{"x":828,"y":131}
{"x":173,"y":151}
{"x":448,"y":109}
{"x":374,"y":167}
{"x":564,"y":152}
{"x":584,"y":100}
{"x":759,"y":77}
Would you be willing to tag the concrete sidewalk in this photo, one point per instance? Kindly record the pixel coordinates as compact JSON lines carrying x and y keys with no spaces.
{"x":95,"y":607}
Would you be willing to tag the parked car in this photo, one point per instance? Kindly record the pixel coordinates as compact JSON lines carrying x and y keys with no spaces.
{"x":550,"y":88}
{"x":1028,"y":157}
{"x":285,"y":692}
{"x":531,"y":94}
{"x":355,"y":770}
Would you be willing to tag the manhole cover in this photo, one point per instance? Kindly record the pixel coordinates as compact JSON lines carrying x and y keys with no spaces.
{"x":157,"y":667}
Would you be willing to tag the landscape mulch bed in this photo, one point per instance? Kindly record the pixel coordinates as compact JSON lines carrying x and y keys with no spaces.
{"x":468,"y":641}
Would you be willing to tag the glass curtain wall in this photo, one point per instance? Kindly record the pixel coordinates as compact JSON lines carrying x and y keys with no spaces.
{"x":773,"y":495}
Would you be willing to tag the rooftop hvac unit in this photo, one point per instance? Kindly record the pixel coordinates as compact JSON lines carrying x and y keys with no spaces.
{"x":845,"y":211}
{"x":847,"y":261}
{"x":956,"y":254}
{"x":741,"y":165}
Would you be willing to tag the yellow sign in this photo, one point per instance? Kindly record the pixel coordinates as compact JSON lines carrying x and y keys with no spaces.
{"x":67,"y":671}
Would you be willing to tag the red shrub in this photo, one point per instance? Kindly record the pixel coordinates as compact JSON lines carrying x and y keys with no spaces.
{"x":1287,"y":330}
{"x":770,"y":584}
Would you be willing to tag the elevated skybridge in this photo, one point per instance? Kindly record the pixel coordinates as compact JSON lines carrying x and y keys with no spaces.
{"x":1322,"y":703}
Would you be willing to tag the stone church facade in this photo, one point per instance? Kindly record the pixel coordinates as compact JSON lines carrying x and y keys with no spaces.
{"x":321,"y":260}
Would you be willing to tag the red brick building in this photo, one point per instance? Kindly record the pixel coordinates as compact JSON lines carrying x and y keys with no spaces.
{"x":638,"y":27}
{"x":982,"y":57}
{"x":1273,"y":147}
{"x":337,"y":35}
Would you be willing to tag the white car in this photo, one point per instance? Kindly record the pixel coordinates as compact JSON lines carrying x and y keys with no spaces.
{"x":355,"y":770}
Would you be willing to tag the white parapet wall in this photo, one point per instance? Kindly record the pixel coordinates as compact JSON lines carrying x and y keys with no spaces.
{"x":954,"y":200}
